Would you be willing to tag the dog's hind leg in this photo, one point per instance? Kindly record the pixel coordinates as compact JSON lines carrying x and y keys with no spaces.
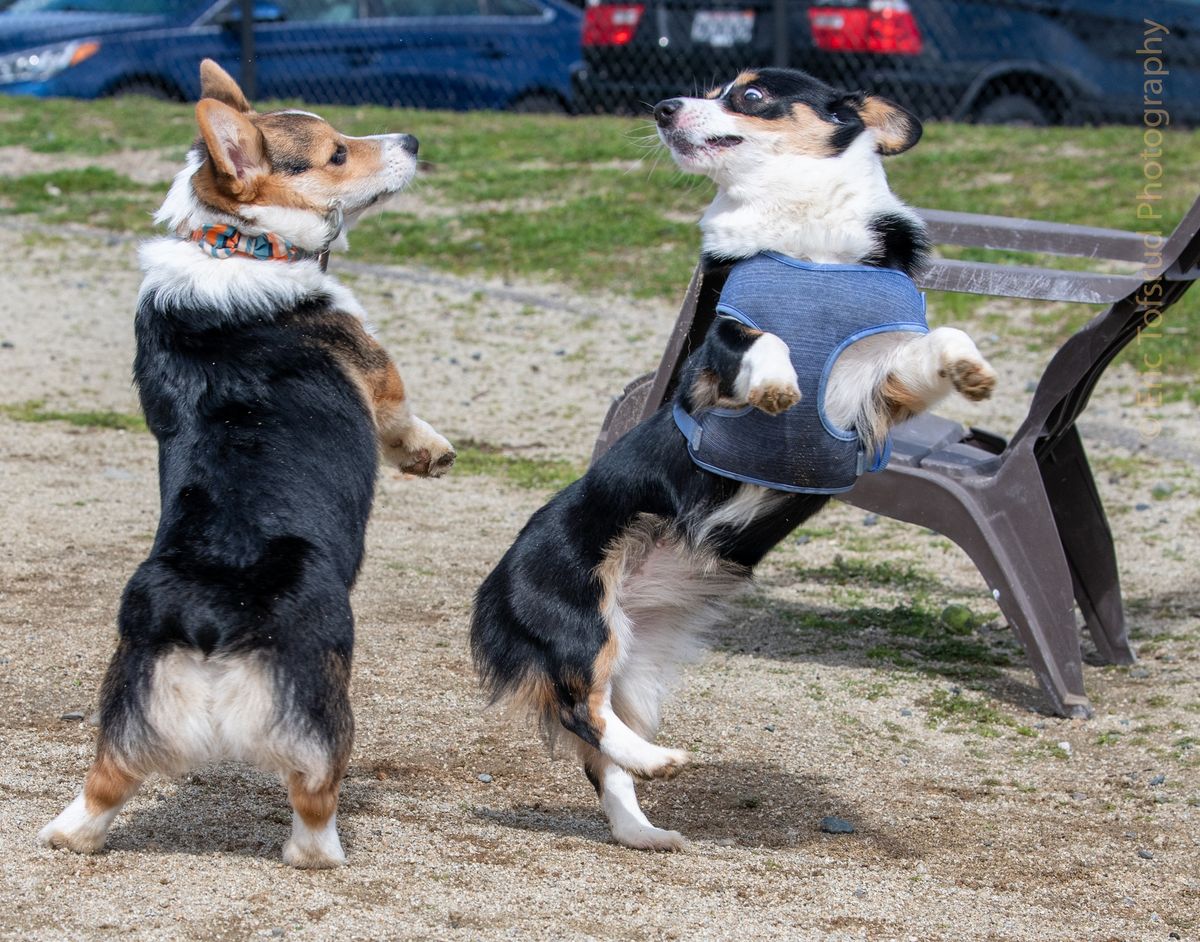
{"x":83,"y":825}
{"x":314,"y":842}
{"x":320,"y":746}
{"x":618,"y":799}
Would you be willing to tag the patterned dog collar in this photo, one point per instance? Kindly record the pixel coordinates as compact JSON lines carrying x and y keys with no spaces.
{"x":222,"y":241}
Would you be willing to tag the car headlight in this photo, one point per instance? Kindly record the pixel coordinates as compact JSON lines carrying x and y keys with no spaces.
{"x":33,"y":65}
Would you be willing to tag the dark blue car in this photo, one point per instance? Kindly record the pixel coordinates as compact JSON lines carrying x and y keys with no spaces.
{"x":421,"y":53}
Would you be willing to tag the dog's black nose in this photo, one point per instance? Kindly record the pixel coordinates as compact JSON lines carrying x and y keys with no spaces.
{"x":409,"y":143}
{"x":665,"y":111}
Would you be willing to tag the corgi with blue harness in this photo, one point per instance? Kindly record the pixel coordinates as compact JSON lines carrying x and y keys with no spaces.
{"x":820,"y":347}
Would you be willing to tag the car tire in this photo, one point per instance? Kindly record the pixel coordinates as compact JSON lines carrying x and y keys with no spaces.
{"x":144,"y":89}
{"x":1012,"y":109}
{"x":538,"y":103}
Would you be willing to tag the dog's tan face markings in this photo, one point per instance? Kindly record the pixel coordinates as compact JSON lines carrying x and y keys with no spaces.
{"x":774,"y":112}
{"x":288,"y":159}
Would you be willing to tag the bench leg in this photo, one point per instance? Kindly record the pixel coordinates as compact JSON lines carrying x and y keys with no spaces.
{"x":1088,"y":544}
{"x":1010,"y":535}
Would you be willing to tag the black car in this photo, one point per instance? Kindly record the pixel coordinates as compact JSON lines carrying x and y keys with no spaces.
{"x":1018,"y":61}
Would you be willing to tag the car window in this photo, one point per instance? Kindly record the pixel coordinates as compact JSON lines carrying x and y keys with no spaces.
{"x":320,"y":11}
{"x":518,"y":8}
{"x":428,"y":7}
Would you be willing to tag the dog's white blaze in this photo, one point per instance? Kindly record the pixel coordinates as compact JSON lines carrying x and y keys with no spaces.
{"x":209,"y":709}
{"x":78,"y":829}
{"x":308,"y":847}
{"x":767,"y":362}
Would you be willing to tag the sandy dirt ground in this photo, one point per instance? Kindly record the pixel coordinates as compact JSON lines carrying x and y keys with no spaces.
{"x":1012,"y":826}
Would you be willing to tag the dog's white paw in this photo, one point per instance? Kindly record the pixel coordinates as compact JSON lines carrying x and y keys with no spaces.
{"x":960,"y":361}
{"x":423,"y":451}
{"x":668,"y":763}
{"x":647,"y":837}
{"x":77,"y":829}
{"x":313,"y":848}
{"x":767,"y":377}
{"x":973,"y":378}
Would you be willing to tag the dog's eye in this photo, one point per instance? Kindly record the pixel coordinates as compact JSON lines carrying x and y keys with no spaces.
{"x":834,"y":118}
{"x":753,"y":94}
{"x":339,"y":156}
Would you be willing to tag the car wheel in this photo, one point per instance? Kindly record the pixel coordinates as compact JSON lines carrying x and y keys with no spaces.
{"x":537,"y":103}
{"x":145,"y":90}
{"x":1012,"y":109}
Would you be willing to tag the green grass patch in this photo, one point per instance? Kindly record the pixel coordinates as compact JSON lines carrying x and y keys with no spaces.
{"x":953,"y":709}
{"x":917,"y":638}
{"x":91,"y":195}
{"x":477,"y":458}
{"x":868,"y":572}
{"x":35,"y":411}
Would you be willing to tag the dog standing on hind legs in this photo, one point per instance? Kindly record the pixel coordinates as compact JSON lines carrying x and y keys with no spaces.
{"x":272,"y":403}
{"x":611,"y":587}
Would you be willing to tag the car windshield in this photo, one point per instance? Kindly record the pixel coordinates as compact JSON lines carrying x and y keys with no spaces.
{"x":150,"y":7}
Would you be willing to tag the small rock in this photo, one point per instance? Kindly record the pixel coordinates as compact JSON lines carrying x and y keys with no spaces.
{"x":560,"y":353}
{"x":484,"y":777}
{"x":1129,"y":835}
{"x":1078,"y":796}
{"x":1065,"y":747}
{"x":476,"y":356}
{"x":1031,"y":386}
{"x":1128,"y":901}
{"x":7,"y":344}
{"x":1158,"y":780}
{"x":1162,"y":491}
{"x":724,"y":842}
{"x":1141,"y":506}
{"x":905,"y":711}
{"x":803,"y":540}
{"x":860,"y":892}
{"x":1139,"y":672}
{"x":1145,"y":854}
{"x":72,"y":717}
{"x":870,"y":520}
{"x":1174,"y":935}
{"x":770,"y":727}
{"x":832,"y":825}
{"x":276,"y":932}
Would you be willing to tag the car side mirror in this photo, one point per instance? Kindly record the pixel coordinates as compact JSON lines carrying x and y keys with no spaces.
{"x":264,"y":12}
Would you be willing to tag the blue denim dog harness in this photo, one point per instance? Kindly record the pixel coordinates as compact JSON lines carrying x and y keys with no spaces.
{"x":818,"y":311}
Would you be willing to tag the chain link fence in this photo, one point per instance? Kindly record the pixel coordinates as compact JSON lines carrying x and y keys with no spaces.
{"x":996,"y":61}
{"x":1001,"y":61}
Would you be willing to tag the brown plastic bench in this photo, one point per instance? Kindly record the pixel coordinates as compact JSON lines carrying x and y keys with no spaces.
{"x":1026,"y":510}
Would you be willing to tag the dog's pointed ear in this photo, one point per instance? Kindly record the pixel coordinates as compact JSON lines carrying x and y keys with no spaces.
{"x":896,"y":130}
{"x":235,"y":146}
{"x":216,"y":83}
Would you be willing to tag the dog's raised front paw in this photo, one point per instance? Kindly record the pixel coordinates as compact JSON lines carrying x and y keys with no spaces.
{"x":422,"y":451}
{"x":973,"y":378}
{"x":770,"y":379}
{"x":774,"y":398}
